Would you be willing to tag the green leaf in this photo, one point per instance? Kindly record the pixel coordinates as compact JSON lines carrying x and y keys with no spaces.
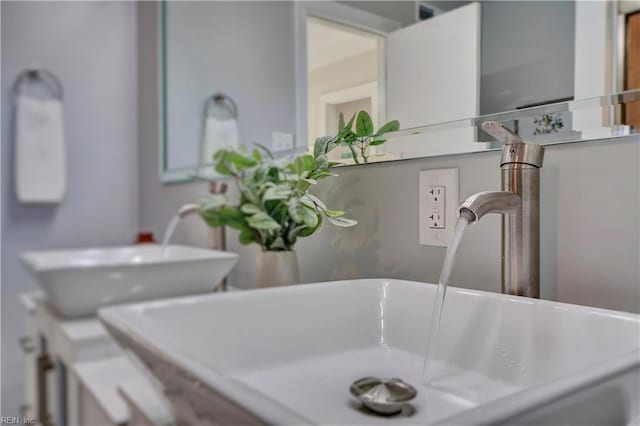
{"x":250,"y":209}
{"x":257,"y":156}
{"x":214,"y":201}
{"x":321,"y":175}
{"x":305,"y":232}
{"x":392,"y":126}
{"x":316,"y":201}
{"x":279,"y":213}
{"x":333,"y":213}
{"x":309,"y":217}
{"x":340,"y":122}
{"x":247,"y":236}
{"x":320,"y":145}
{"x":309,"y":181}
{"x":265,"y":150}
{"x":274,"y":174}
{"x":223,"y":170}
{"x":303,"y":185}
{"x":341,"y":221}
{"x":278,"y":244}
{"x":250,"y":193}
{"x":364,"y":125}
{"x":320,"y":162}
{"x":308,"y":161}
{"x":263,"y":222}
{"x":232,"y":217}
{"x":225,"y":215}
{"x":348,"y":126}
{"x":212,"y":218}
{"x":277,"y":192}
{"x":294,"y":232}
{"x":354,"y":154}
{"x":240,"y":161}
{"x":303,"y":163}
{"x":300,"y":212}
{"x":295,"y":210}
{"x":377,"y":142}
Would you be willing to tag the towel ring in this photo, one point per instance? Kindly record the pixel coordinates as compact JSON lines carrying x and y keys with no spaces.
{"x":220,"y":100}
{"x":37,"y":74}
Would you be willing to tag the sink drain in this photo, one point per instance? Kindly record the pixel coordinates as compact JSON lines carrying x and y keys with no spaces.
{"x":383,"y":396}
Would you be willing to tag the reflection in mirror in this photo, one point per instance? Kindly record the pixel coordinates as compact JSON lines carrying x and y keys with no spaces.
{"x":220,"y":131}
{"x":343,"y":75}
{"x":601,"y":117}
{"x":294,"y":67}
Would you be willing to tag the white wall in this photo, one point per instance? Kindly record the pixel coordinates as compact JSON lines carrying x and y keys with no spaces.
{"x":350,"y":72}
{"x":91,"y":47}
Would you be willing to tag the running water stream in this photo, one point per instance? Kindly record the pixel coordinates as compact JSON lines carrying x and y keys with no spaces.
{"x":168,"y":233}
{"x":438,"y":303}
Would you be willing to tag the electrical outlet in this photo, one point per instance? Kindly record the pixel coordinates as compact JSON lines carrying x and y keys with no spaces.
{"x":436,"y":207}
{"x":281,"y":141}
{"x":438,"y":199}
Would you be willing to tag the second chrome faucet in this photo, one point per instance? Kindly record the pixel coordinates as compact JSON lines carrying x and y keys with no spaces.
{"x":519,"y":204}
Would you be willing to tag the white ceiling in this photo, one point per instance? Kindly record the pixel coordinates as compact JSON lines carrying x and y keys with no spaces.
{"x":328,"y":43}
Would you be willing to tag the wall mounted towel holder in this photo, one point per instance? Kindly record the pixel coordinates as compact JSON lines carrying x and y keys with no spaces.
{"x":223,"y":104}
{"x":39,"y":74}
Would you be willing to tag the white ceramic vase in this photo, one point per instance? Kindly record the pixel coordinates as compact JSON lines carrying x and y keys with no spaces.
{"x":277,"y":268}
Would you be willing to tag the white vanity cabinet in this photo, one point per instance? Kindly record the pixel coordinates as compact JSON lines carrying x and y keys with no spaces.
{"x":57,"y":346}
{"x":29,"y":343}
{"x":114,"y":391}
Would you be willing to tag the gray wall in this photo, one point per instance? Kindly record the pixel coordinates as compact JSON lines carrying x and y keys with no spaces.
{"x":400,"y":11}
{"x":90,"y":46}
{"x":158,"y":203}
{"x":527,"y":53}
{"x":590,"y":255}
{"x":261,"y":111}
{"x":589,"y":225}
{"x":244,"y":49}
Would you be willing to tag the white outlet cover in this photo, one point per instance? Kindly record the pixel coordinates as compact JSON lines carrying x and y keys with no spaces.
{"x":447,"y":178}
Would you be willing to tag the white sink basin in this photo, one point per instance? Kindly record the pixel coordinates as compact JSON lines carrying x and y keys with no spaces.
{"x":78,"y":282}
{"x":288,"y":355}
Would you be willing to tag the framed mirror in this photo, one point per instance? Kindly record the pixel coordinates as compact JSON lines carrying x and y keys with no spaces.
{"x":552,"y":71}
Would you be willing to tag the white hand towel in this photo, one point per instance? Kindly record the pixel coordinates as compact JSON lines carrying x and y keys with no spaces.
{"x":218,"y":134}
{"x":41,"y":175}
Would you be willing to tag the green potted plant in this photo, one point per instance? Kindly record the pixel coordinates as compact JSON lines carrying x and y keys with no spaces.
{"x":275,"y":206}
{"x":358,"y":140}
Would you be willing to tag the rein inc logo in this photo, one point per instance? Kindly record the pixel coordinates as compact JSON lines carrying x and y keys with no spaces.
{"x":17,"y":420}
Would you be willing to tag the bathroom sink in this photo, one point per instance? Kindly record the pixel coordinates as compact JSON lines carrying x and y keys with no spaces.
{"x":78,"y":282}
{"x":288,"y":355}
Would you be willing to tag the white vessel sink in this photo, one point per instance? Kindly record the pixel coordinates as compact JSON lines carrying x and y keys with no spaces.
{"x":78,"y":282}
{"x":288,"y":355}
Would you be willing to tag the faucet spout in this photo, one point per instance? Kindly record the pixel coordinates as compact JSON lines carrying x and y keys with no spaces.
{"x":188,"y":209}
{"x":478,"y":205}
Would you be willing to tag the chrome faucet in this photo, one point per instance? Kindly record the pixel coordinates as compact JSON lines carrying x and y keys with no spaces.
{"x":519,"y":204}
{"x":188,"y":209}
{"x":217,"y":236}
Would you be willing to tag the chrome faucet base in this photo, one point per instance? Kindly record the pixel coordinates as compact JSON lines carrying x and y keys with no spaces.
{"x":521,"y":232}
{"x":519,"y":204}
